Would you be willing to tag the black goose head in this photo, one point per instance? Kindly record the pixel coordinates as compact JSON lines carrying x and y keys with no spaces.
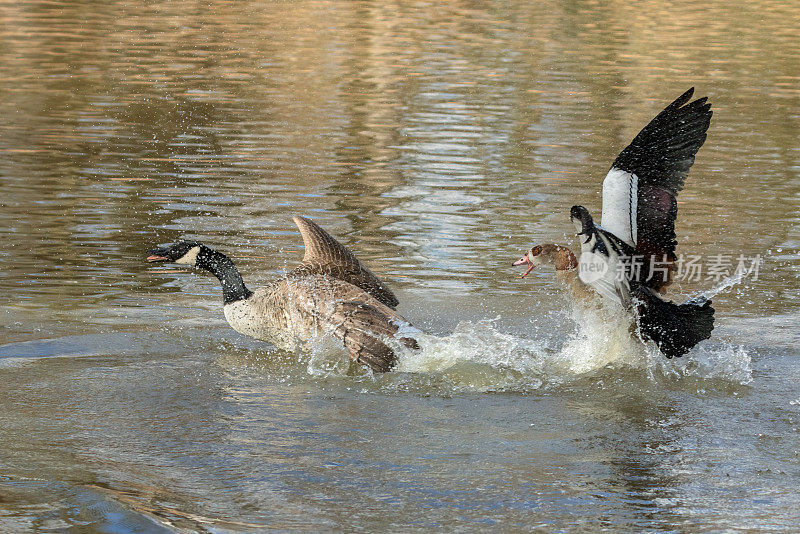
{"x":583,"y":222}
{"x":184,"y":252}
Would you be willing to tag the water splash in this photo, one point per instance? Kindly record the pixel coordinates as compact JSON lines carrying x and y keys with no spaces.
{"x":603,"y":339}
{"x":723,"y":285}
{"x":478,"y":357}
{"x":601,"y":342}
{"x":590,"y":343}
{"x":477,"y":343}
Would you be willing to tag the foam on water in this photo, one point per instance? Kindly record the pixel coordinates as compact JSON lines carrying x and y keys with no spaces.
{"x":601,"y":341}
{"x":479,"y":357}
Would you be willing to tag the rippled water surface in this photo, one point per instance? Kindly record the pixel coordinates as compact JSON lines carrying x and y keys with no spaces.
{"x":438,"y":141}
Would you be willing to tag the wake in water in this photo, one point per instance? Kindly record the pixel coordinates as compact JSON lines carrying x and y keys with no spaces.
{"x":479,"y":357}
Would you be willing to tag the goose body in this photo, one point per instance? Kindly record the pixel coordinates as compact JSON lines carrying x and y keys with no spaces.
{"x":629,"y":258}
{"x":330,"y":292}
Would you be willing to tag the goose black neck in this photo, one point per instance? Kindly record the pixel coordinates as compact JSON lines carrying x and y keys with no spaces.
{"x":222,"y":267}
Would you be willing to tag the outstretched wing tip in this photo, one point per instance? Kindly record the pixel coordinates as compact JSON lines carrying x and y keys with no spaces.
{"x":325,"y":255}
{"x":306,"y":226}
{"x":301,"y":221}
{"x":685,"y":97}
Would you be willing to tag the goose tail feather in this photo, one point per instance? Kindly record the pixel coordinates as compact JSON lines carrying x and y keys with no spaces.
{"x":675,"y":328}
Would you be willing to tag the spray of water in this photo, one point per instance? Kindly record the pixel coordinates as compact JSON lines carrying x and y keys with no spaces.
{"x":723,"y":285}
{"x":477,"y":356}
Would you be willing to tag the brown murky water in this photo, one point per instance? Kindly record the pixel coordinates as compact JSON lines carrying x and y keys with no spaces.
{"x":438,"y":140}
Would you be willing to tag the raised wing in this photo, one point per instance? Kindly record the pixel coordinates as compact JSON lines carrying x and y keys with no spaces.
{"x":639,"y":192}
{"x":325,"y":255}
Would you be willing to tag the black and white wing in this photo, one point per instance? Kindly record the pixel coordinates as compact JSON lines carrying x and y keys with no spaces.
{"x":604,"y":265}
{"x":640,"y":190}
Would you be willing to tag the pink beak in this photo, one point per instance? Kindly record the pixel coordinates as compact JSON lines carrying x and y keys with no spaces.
{"x":524,"y":261}
{"x":156,"y":258}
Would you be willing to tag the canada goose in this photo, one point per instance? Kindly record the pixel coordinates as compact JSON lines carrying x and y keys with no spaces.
{"x":330,"y":291}
{"x":630,"y":259}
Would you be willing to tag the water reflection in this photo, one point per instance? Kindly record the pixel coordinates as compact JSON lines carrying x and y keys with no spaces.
{"x":438,"y":141}
{"x":647,"y":436}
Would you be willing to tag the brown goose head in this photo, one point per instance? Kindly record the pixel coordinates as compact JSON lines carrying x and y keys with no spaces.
{"x":561,"y":257}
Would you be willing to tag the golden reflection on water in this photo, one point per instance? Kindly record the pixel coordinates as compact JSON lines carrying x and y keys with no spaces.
{"x":447,"y":135}
{"x":438,"y":140}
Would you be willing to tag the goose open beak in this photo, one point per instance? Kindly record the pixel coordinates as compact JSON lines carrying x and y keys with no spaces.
{"x":524,"y":261}
{"x":156,"y":254}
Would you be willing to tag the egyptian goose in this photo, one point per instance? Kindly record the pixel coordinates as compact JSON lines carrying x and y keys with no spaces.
{"x":565,"y":264}
{"x":330,"y":291}
{"x":629,"y":259}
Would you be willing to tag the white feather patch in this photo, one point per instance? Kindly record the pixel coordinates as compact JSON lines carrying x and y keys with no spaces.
{"x":602,"y":272}
{"x":190,"y":258}
{"x":620,"y":203}
{"x":242,"y":317}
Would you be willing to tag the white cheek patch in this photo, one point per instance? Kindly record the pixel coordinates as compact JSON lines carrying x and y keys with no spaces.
{"x":190,"y":258}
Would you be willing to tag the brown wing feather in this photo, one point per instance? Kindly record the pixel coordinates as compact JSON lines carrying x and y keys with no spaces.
{"x":362,"y":322}
{"x":325,"y":255}
{"x":364,"y":328}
